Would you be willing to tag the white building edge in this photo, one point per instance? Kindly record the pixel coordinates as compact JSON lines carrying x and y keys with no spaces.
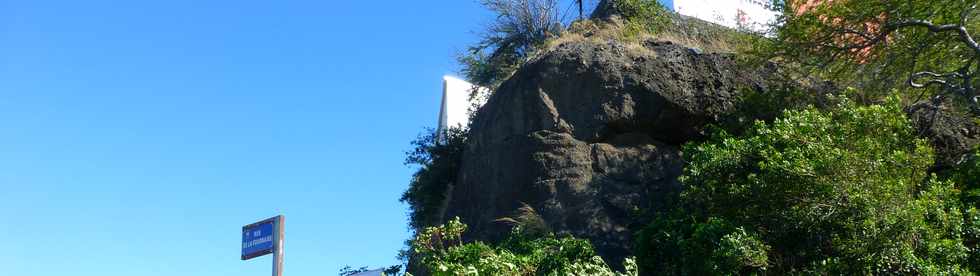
{"x":457,"y":104}
{"x":742,"y":14}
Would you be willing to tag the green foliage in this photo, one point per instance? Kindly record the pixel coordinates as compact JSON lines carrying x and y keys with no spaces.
{"x":878,"y":45}
{"x":967,"y":177}
{"x":439,"y":163}
{"x":844,"y":191}
{"x":441,"y":250}
{"x":392,"y":270}
{"x":971,"y":235}
{"x":766,"y":106}
{"x":738,"y":249}
{"x":642,"y":16}
{"x":529,"y":221}
{"x":680,"y":245}
{"x":520,"y":28}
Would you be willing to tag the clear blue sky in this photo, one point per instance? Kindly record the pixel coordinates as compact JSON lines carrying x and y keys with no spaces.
{"x":137,"y":138}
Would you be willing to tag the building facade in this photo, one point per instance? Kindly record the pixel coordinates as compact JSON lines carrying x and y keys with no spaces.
{"x":742,"y":14}
{"x":457,"y":104}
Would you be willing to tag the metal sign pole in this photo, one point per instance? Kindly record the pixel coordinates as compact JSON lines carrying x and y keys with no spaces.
{"x":277,"y":250}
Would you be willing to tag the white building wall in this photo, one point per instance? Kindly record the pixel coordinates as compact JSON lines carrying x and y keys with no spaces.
{"x":750,"y":14}
{"x":456,"y":106}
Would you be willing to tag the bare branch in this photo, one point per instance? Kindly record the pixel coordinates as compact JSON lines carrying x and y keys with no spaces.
{"x":961,"y":30}
{"x":937,"y":79}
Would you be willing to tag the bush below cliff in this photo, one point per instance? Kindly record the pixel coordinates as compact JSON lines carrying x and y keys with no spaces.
{"x":843,"y":191}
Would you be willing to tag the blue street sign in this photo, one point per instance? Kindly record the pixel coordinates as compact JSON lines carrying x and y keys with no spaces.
{"x":259,"y":238}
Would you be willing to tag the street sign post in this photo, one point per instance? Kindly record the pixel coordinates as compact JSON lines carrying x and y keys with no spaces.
{"x":265,"y":237}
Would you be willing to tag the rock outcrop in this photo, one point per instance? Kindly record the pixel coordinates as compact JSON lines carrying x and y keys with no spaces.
{"x":952,"y":135}
{"x":588,"y":134}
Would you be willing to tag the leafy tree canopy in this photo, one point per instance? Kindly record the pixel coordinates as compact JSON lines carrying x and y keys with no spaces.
{"x":880,"y":45}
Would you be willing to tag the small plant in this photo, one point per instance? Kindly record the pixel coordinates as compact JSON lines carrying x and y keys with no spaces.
{"x":528,"y":220}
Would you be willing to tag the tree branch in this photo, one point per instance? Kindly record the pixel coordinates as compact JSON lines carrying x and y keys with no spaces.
{"x":961,"y":30}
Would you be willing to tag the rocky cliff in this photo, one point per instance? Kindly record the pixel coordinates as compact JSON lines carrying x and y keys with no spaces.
{"x":588,"y":134}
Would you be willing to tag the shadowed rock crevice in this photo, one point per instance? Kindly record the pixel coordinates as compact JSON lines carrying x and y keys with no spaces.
{"x":952,"y":135}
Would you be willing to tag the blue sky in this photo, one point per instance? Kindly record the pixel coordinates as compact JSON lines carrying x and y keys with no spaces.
{"x":137,"y":137}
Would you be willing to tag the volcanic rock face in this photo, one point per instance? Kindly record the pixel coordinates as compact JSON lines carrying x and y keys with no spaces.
{"x":588,"y":135}
{"x":952,"y":135}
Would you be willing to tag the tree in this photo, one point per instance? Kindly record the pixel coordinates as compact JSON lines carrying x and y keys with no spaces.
{"x":920,"y":48}
{"x":520,"y":28}
{"x":844,"y":191}
{"x":881,"y":45}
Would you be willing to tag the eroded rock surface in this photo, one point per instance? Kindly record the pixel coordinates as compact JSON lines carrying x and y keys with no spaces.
{"x":952,"y":135}
{"x":589,"y":133}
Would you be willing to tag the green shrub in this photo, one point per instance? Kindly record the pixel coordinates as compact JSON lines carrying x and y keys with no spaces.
{"x":967,"y":178}
{"x":971,"y":236}
{"x":642,"y":16}
{"x":738,"y":249}
{"x":784,"y":94}
{"x":441,"y":251}
{"x":439,"y":163}
{"x":844,"y":191}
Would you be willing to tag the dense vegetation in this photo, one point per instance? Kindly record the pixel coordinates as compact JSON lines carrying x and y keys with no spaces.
{"x":878,"y":46}
{"x":443,"y":252}
{"x":968,"y":175}
{"x":438,"y":158}
{"x":843,"y":191}
{"x":967,"y":178}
